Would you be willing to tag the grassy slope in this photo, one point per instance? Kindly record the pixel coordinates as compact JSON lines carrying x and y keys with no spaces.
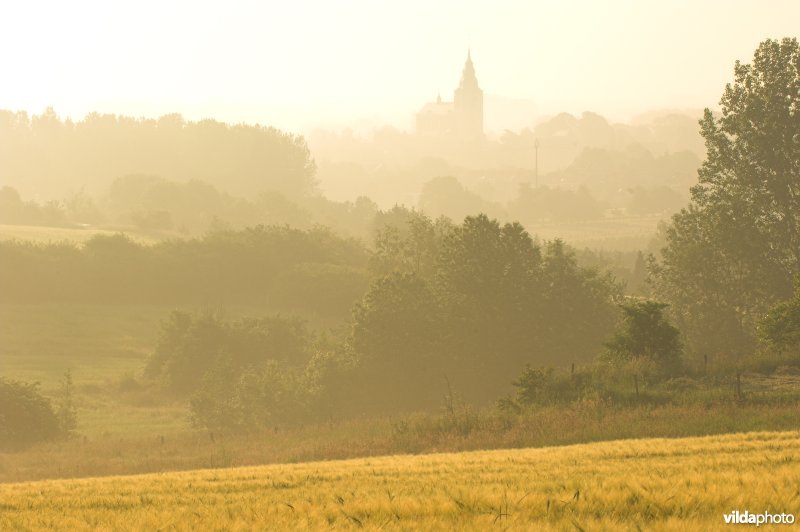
{"x":118,"y":454}
{"x":100,"y":345}
{"x":648,"y":484}
{"x":96,"y":342}
{"x":120,"y":431}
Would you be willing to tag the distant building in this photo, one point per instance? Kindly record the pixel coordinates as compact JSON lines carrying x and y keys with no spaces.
{"x":463,"y":117}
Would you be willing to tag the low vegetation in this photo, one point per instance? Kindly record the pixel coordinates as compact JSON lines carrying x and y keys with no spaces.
{"x":27,"y":417}
{"x":266,"y":266}
{"x":684,"y":407}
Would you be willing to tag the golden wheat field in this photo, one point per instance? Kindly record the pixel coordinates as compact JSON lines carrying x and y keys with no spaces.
{"x":649,"y":484}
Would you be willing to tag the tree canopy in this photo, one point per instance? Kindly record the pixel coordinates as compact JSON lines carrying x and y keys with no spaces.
{"x":473,"y":303}
{"x":45,"y":155}
{"x":732,"y":253}
{"x":645,"y":334}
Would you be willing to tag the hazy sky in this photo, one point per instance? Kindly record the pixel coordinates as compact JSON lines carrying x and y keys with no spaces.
{"x":297,"y":64}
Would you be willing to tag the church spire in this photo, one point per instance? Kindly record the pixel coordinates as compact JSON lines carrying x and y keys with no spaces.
{"x":468,"y":103}
{"x":468,"y":77}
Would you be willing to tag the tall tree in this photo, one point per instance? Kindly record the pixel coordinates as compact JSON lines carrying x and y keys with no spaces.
{"x":733,"y":251}
{"x":395,"y":331}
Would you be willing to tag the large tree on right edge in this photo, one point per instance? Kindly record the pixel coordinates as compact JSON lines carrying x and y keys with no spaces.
{"x":732,"y":253}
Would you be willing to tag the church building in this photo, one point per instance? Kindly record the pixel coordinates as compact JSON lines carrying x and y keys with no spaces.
{"x":463,"y":117}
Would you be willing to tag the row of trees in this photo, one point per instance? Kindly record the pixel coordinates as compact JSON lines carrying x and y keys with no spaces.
{"x":166,"y":208}
{"x":461,"y":306}
{"x":286,"y":269}
{"x":13,"y":210}
{"x":663,"y":149}
{"x":238,"y":376}
{"x":43,"y":154}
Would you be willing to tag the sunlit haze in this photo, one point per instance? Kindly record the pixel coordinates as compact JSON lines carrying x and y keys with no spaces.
{"x":409,"y":265}
{"x":300,"y":65}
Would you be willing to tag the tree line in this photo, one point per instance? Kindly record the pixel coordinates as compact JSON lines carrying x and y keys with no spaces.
{"x":46,"y":155}
{"x":470,"y":305}
{"x":312,"y":272}
{"x":460,"y":306}
{"x":478,"y":307}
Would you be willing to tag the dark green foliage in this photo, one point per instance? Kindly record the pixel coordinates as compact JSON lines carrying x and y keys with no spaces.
{"x":26,"y":417}
{"x":547,"y":386}
{"x":191,"y":347}
{"x":780,"y":328}
{"x":629,"y":268}
{"x":534,"y":385}
{"x":732,"y":253}
{"x":458,"y":311}
{"x":270,"y":266}
{"x":407,"y":241}
{"x":320,"y":289}
{"x":396,"y":331}
{"x":239,"y":375}
{"x":329,"y":386}
{"x":331,"y":377}
{"x":488,"y":286}
{"x":187,"y":348}
{"x":473,"y":303}
{"x":396,"y":316}
{"x":231,"y":398}
{"x":578,"y":308}
{"x":509,"y":302}
{"x":645,"y":334}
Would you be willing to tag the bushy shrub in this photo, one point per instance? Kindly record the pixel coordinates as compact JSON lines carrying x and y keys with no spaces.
{"x":249,"y":399}
{"x":548,"y":386}
{"x":646,"y":343}
{"x":474,"y":302}
{"x":780,"y":328}
{"x":26,"y":417}
{"x":191,"y":345}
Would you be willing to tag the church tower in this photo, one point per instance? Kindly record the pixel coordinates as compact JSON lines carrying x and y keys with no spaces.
{"x":459,"y":120}
{"x":468,"y":103}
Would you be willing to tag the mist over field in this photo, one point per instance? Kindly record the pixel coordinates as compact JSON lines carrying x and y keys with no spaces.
{"x":262,"y":248}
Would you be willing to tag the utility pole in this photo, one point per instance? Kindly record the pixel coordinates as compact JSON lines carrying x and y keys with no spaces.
{"x":536,"y":167}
